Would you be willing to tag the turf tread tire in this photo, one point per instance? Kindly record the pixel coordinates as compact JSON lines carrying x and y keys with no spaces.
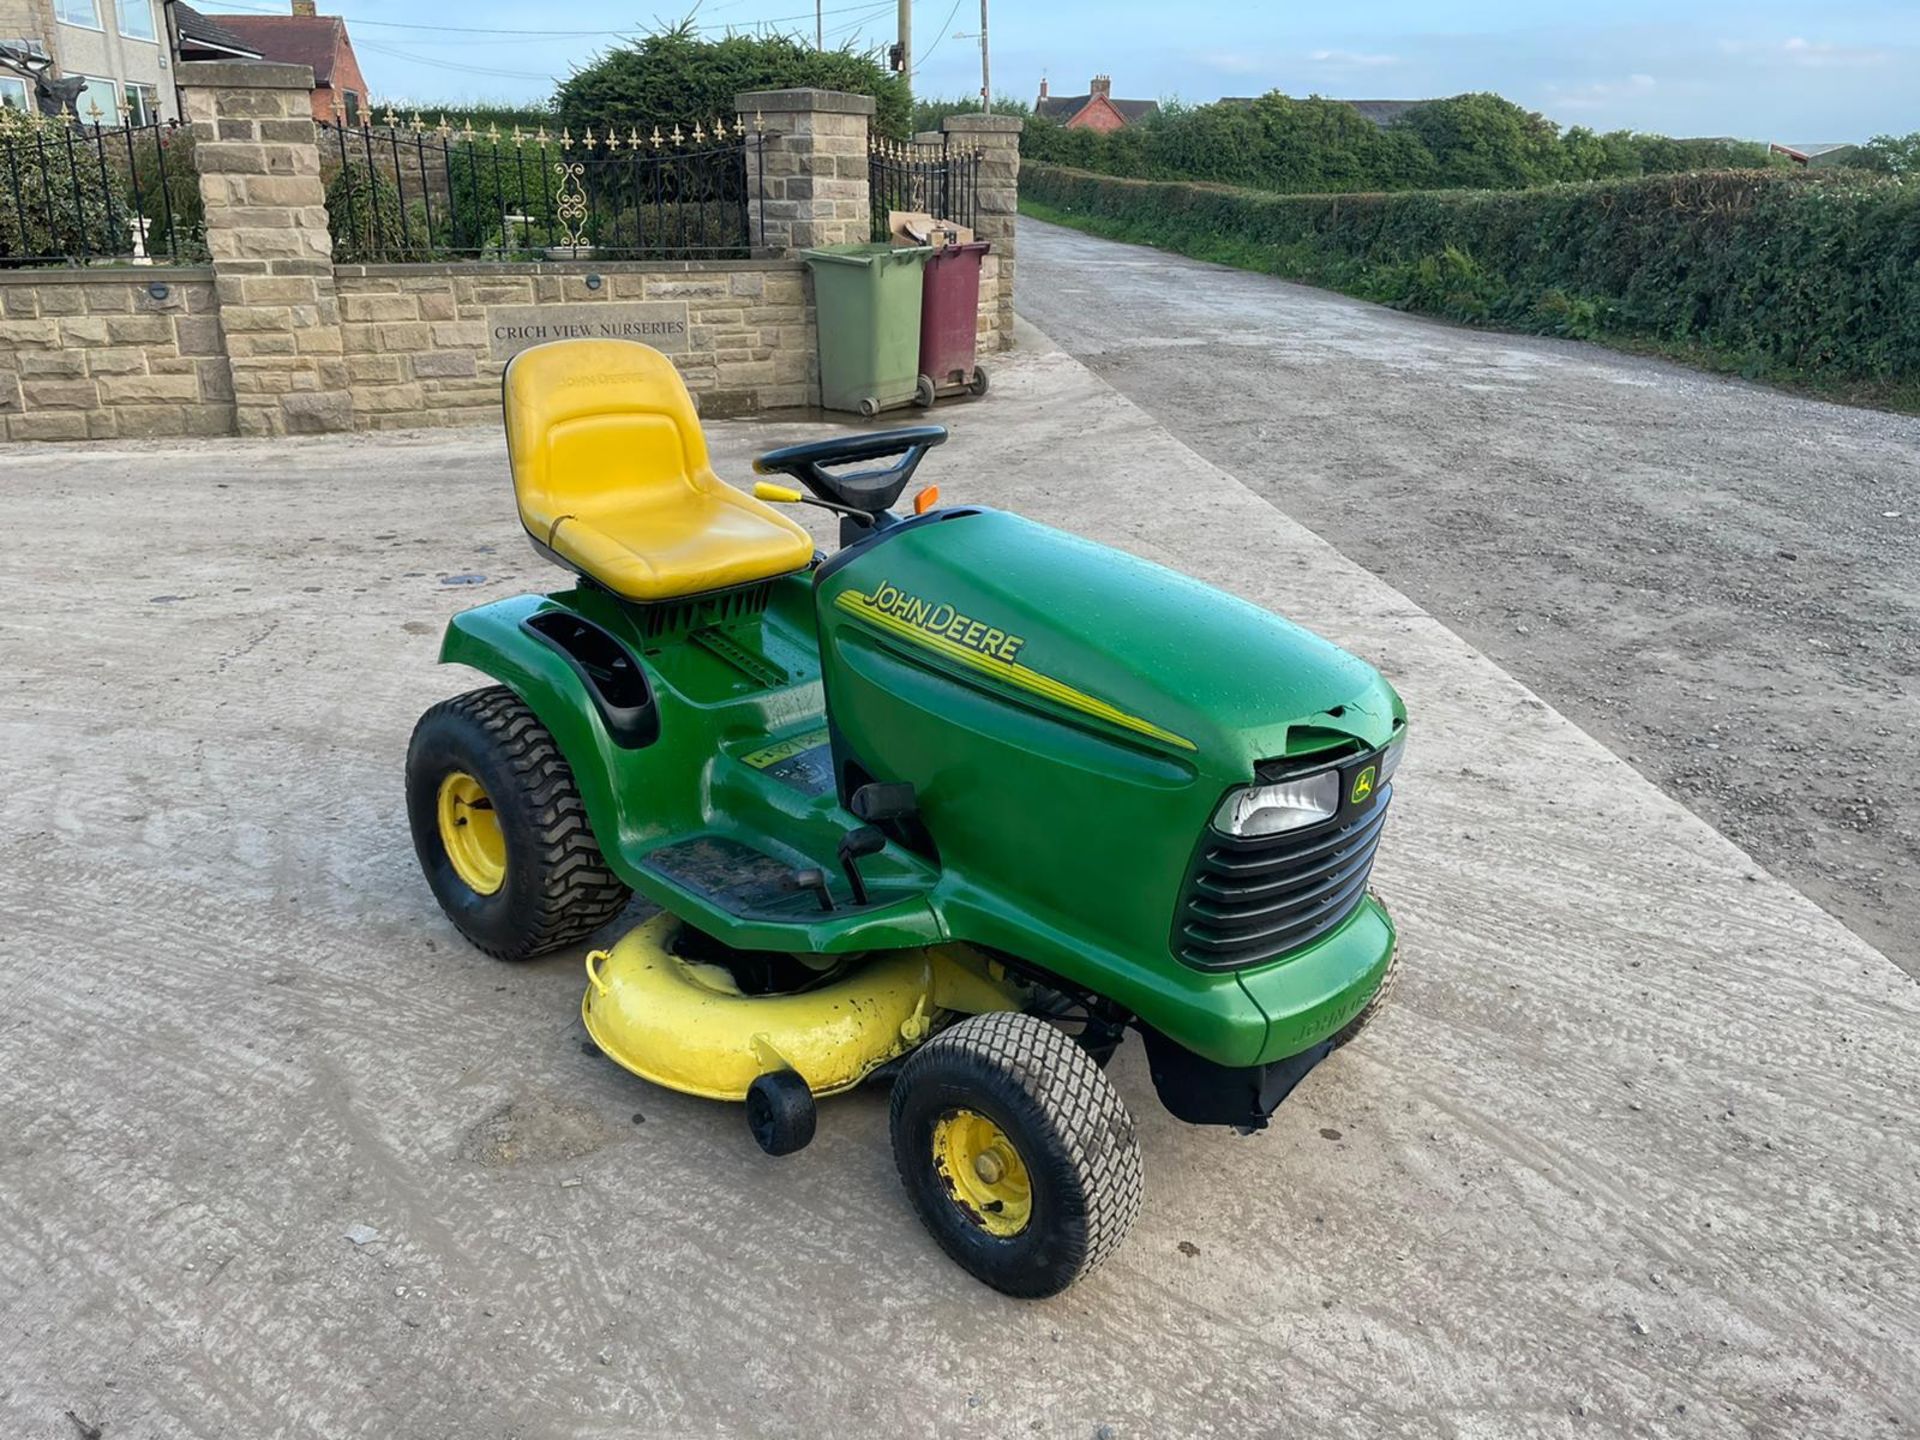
{"x":576,"y":892}
{"x":1371,"y":1011}
{"x":1085,"y":1164}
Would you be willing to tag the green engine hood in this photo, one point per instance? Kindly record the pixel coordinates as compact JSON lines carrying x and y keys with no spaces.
{"x":1127,"y":648}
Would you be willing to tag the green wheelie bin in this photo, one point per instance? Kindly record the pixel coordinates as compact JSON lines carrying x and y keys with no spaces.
{"x":867,"y":298}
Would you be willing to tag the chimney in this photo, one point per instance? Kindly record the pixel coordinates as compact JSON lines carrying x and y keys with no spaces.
{"x":1043,"y":87}
{"x":1102,"y":85}
{"x":304,"y":7}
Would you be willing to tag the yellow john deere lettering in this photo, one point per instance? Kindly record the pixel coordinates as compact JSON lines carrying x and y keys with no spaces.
{"x":941,"y":628}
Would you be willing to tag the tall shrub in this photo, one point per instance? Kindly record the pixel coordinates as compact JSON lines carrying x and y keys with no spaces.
{"x":675,"y":77}
{"x":1780,"y":273}
{"x":55,"y":200}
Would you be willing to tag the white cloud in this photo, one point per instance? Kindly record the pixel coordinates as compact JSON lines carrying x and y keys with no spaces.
{"x":1808,"y":54}
{"x":1353,"y":59}
{"x":1601,"y":93}
{"x":1233,"y":62}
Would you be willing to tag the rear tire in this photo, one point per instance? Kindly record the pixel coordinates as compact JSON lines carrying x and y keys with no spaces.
{"x":869,"y":406}
{"x":978,"y":385}
{"x":1016,"y":1151}
{"x":555,"y":887}
{"x":924,"y":393}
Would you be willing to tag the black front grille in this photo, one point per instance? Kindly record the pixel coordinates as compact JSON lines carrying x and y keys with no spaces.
{"x":1250,"y":901}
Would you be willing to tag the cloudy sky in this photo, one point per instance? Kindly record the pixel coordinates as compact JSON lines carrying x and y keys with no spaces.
{"x":1811,"y":71}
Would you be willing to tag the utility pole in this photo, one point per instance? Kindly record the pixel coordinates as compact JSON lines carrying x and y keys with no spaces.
{"x":819,"y":27}
{"x":986,"y":75}
{"x":905,"y":62}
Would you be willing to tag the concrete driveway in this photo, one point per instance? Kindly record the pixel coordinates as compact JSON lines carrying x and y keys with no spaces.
{"x":1635,"y":1154}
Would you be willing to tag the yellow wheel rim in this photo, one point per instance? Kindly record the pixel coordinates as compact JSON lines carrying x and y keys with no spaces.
{"x":982,"y":1172}
{"x":470,"y":833}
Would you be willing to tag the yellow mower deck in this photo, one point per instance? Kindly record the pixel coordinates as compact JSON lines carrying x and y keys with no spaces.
{"x":687,"y":1026}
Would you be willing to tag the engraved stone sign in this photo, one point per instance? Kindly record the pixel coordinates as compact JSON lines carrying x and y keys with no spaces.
{"x":659,"y":323}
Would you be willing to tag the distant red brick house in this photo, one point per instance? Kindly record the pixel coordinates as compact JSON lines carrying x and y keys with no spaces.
{"x":307,"y":38}
{"x":1096,"y":110}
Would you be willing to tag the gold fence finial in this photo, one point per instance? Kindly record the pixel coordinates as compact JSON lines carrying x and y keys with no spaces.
{"x":699,"y":135}
{"x":657,"y":141}
{"x":542,"y":138}
{"x":759,"y":123}
{"x":391,"y":120}
{"x":634,"y":141}
{"x":677,"y":137}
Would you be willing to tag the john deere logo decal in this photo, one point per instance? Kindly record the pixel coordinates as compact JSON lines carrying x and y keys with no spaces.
{"x":974,"y":644}
{"x":1363,"y":785}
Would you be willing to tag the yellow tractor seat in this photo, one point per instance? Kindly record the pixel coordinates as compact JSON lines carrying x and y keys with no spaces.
{"x":611,"y":474}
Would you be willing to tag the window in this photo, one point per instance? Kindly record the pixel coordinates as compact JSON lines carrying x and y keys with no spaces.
{"x":143,"y":105}
{"x":136,"y":19}
{"x":99,"y":103}
{"x":13,"y":94}
{"x":353,"y":107}
{"x":78,"y":12}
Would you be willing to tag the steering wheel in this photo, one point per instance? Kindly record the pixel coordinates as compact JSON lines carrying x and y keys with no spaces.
{"x":868,"y":491}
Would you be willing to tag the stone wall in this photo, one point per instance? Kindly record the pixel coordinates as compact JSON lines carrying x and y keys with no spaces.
{"x":996,"y":216}
{"x":272,"y":252}
{"x":274,"y":338}
{"x":90,"y":355}
{"x":427,"y":344}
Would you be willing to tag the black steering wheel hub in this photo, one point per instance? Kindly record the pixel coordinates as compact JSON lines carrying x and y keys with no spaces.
{"x":869,"y":491}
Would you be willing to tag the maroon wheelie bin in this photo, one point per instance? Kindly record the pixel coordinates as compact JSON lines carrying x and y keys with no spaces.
{"x":949,"y":320}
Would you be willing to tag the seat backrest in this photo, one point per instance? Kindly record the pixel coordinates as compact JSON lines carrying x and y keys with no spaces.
{"x":594,"y":425}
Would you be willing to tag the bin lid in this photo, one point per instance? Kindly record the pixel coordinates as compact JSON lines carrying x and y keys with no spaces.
{"x":864,"y":255}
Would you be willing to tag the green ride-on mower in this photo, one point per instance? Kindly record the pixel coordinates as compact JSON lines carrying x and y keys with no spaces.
{"x":954,"y":808}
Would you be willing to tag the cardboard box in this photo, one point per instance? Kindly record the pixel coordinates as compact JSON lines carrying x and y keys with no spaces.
{"x":916,"y":227}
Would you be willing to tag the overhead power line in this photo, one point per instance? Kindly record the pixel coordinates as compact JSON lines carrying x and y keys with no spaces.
{"x":229,"y":6}
{"x":945,"y":26}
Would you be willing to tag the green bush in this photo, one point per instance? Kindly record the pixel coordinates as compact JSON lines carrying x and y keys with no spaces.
{"x":1783,"y":275}
{"x":57,"y":199}
{"x":369,"y":222}
{"x":674,"y":77}
{"x":1316,"y":146}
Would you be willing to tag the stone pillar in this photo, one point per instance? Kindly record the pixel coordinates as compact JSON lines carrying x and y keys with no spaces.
{"x":809,"y":183}
{"x":998,"y":211}
{"x":272,"y":253}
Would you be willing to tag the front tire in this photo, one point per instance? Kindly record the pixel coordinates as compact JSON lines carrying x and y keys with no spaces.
{"x":1016,"y":1151}
{"x":1370,"y":1012}
{"x":501,"y":831}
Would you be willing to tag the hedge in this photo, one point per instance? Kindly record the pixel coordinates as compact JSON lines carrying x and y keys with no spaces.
{"x":1788,"y":276}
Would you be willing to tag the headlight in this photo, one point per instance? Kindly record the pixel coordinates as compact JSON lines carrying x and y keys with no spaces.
{"x":1390,"y":760}
{"x":1275,"y":809}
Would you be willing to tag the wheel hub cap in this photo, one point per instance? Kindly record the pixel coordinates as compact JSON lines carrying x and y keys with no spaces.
{"x":470,"y":834}
{"x":982,"y":1172}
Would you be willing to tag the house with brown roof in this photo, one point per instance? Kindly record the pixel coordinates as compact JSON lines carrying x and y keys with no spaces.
{"x":1096,"y":110}
{"x":203,"y":37}
{"x":303,"y":37}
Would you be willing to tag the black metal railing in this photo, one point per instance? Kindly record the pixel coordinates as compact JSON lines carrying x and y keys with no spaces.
{"x":407,"y":191}
{"x":937,"y":179}
{"x":74,"y":194}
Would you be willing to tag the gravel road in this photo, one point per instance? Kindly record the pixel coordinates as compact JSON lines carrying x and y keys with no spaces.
{"x":1720,"y":581}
